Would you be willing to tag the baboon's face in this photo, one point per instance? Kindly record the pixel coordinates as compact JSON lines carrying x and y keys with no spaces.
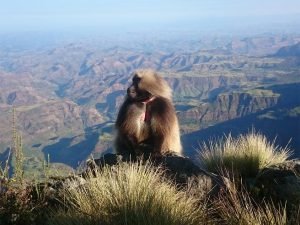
{"x":131,"y":92}
{"x":134,"y":91}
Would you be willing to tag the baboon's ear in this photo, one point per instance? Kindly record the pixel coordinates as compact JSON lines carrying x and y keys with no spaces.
{"x":136,"y":79}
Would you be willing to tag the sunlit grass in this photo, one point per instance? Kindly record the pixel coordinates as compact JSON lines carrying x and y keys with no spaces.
{"x":129,"y":194}
{"x":246,"y":155}
{"x":262,"y":93}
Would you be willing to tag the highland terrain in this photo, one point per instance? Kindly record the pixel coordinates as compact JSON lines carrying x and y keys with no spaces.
{"x":67,"y":95}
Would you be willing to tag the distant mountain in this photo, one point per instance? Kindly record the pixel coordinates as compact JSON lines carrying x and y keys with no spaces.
{"x":260,"y":45}
{"x":289,"y":51}
{"x":228,"y":106}
{"x":279,"y":121}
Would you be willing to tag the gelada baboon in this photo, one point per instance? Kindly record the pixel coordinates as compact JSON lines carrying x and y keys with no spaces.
{"x":147,"y":122}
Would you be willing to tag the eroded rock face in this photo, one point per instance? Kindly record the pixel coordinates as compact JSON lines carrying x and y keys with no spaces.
{"x":56,"y":117}
{"x":229,"y":106}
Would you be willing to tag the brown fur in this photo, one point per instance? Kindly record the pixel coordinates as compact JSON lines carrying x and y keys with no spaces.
{"x":160,"y":133}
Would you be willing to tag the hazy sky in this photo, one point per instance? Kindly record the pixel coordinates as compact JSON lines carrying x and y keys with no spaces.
{"x":44,"y":14}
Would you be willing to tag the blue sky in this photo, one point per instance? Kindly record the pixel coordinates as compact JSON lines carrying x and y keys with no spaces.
{"x":44,"y":14}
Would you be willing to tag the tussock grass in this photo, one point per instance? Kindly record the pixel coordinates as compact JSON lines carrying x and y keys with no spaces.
{"x":128,"y":194}
{"x":235,"y":207}
{"x":245,"y":155}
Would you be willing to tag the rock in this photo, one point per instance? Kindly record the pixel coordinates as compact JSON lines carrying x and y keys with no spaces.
{"x":108,"y":159}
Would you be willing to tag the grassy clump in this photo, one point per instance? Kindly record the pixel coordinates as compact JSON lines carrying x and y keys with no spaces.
{"x":129,"y":194}
{"x":236,"y":207}
{"x":245,"y":155}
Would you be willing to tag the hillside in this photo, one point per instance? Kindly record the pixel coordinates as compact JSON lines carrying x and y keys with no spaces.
{"x":243,"y":180}
{"x":66,"y":97}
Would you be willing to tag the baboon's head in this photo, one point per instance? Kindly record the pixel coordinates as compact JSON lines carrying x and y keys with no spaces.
{"x":146,"y":84}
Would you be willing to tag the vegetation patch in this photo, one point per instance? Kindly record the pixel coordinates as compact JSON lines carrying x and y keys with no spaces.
{"x":129,"y":194}
{"x":262,"y":93}
{"x":139,"y":193}
{"x":245,"y":156}
{"x":236,"y":207}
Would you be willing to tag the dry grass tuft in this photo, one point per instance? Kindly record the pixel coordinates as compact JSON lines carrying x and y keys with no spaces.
{"x":245,"y":155}
{"x":129,"y":194}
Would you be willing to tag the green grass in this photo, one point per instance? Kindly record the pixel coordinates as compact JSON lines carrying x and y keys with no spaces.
{"x":295,"y":112}
{"x":262,"y":93}
{"x":245,"y":155}
{"x":129,"y":194}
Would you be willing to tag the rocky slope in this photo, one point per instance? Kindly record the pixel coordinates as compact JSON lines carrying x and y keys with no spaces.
{"x":229,"y":106}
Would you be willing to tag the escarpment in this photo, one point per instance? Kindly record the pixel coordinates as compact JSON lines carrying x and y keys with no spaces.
{"x":229,"y":106}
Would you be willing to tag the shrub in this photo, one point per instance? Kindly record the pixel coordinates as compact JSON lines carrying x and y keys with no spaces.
{"x":21,"y":204}
{"x":245,"y":155}
{"x":129,"y":194}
